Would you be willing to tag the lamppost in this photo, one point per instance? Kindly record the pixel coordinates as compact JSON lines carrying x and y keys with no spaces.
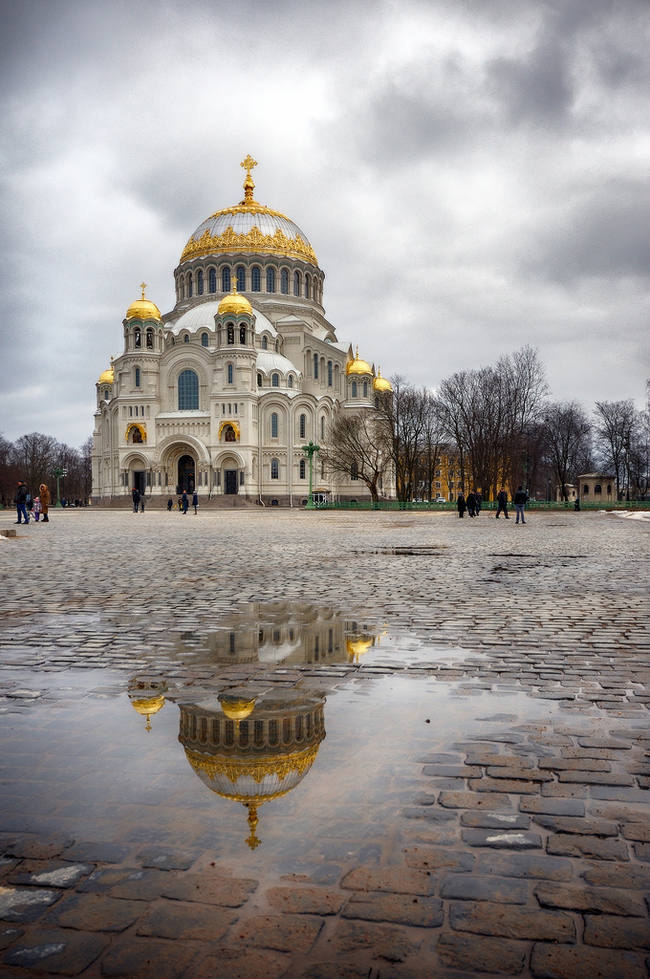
{"x":58,"y":473}
{"x":309,"y":451}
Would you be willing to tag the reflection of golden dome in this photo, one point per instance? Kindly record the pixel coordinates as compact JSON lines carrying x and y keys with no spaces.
{"x":143,"y":309}
{"x":357,"y":366}
{"x":358,"y":646}
{"x":235,"y":708}
{"x":149,"y":706}
{"x":234,"y":303}
{"x":380,"y":383}
{"x":106,"y":377}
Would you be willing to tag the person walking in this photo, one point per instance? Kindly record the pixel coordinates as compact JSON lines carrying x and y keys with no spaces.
{"x":136,"y":499}
{"x":20,"y":500}
{"x":45,"y":502}
{"x":142,"y":501}
{"x":521,"y":496}
{"x":502,"y":503}
{"x":170,"y":503}
{"x":479,"y":502}
{"x":36,"y":509}
{"x":471,"y":504}
{"x":461,"y":504}
{"x":184,"y":501}
{"x":195,"y":502}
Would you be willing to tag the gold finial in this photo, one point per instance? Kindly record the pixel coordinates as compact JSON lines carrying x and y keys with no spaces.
{"x":252,"y":840}
{"x":249,"y":186}
{"x":143,"y":286}
{"x":357,"y":357}
{"x":111,"y":362}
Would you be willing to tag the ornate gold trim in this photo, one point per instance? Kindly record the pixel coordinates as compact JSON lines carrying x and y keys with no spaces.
{"x":257,"y":768}
{"x":141,"y":428}
{"x":252,"y":241}
{"x":233,"y":425}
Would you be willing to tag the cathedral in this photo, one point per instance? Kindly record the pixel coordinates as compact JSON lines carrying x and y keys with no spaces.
{"x":231,"y":392}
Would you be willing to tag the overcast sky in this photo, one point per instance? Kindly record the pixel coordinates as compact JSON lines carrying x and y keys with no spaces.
{"x":472,"y":174}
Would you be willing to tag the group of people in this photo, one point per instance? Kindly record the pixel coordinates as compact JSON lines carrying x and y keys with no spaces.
{"x":474,"y":501}
{"x":184,"y":502}
{"x":28,"y":507}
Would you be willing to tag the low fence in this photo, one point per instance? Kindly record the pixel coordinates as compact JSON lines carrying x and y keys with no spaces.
{"x":490,"y":505}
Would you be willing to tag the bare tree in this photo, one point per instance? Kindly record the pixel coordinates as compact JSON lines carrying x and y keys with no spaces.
{"x":617,"y":424}
{"x":34,"y":457}
{"x":409,"y":425}
{"x":568,"y":438}
{"x":358,"y":447}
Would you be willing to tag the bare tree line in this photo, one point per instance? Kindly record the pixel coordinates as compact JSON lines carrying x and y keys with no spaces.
{"x":34,"y":458}
{"x":500,"y":427}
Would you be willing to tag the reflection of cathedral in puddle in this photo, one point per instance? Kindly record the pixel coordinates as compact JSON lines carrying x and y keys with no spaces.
{"x":289,"y":633}
{"x":147,"y":696}
{"x":252,"y":751}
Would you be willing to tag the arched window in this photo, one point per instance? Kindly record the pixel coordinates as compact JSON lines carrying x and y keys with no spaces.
{"x":137,"y":377}
{"x":277,"y":346}
{"x":598,"y":488}
{"x":230,"y":331}
{"x":322,"y":426}
{"x":365,"y":389}
{"x":137,"y":339}
{"x":199,"y":282}
{"x":149,"y":339}
{"x":189,"y":285}
{"x":274,"y":425}
{"x":241,"y":278}
{"x":585,"y":491}
{"x":275,"y":380}
{"x":256,"y":278}
{"x":315,"y":366}
{"x":329,"y":373}
{"x":307,"y":286}
{"x":303,"y":469}
{"x":275,"y":469}
{"x":231,"y":373}
{"x":188,"y":391}
{"x":265,"y":343}
{"x":259,"y":380}
{"x":225,"y":279}
{"x":354,"y":389}
{"x":296,"y":283}
{"x":242,"y":335}
{"x":204,"y":339}
{"x":290,"y":381}
{"x":186,"y":338}
{"x":270,"y":280}
{"x":107,"y":394}
{"x":609,"y":487}
{"x":354,"y":471}
{"x":212,"y":280}
{"x":303,"y":426}
{"x":284,"y":282}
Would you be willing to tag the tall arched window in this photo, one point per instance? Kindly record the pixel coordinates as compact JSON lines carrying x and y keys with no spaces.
{"x":274,"y":425}
{"x":230,"y":373}
{"x":275,"y":469}
{"x":303,"y":469}
{"x":149,"y":339}
{"x":303,"y":426}
{"x":137,"y":339}
{"x":259,"y":380}
{"x":296,"y":283}
{"x":188,"y":391}
{"x":284,"y":282}
{"x":242,"y":335}
{"x":225,"y":279}
{"x":186,"y":338}
{"x":270,"y":280}
{"x":307,"y":286}
{"x":230,"y":332}
{"x":290,"y":381}
{"x":204,"y":339}
{"x":212,"y":280}
{"x":354,"y":389}
{"x":265,"y":343}
{"x":137,"y":377}
{"x":322,"y":426}
{"x":329,"y":373}
{"x":315,"y":366}
{"x":365,"y":389}
{"x":241,"y":278}
{"x":275,"y":380}
{"x":189,"y":285}
{"x":199,"y":282}
{"x":256,"y":278}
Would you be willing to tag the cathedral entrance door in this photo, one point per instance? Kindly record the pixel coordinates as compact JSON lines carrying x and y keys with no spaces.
{"x":138,"y":481}
{"x":186,"y":474}
{"x":231,"y":481}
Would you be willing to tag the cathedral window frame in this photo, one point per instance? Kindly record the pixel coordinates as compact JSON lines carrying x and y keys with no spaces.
{"x":240,"y":275}
{"x":315,"y":366}
{"x":186,"y":338}
{"x":256,"y":279}
{"x":136,"y":377}
{"x":296,"y":283}
{"x":230,"y":373}
{"x":259,"y":380}
{"x":226,"y":279}
{"x":149,"y":339}
{"x":307,"y":286}
{"x":303,"y":469}
{"x":190,"y":285}
{"x":275,"y":380}
{"x":265,"y":342}
{"x":275,"y":425}
{"x":199,"y":282}
{"x":205,"y":340}
{"x":284,"y":282}
{"x":270,"y":279}
{"x":230,"y":334}
{"x":188,"y":387}
{"x":354,"y":389}
{"x":242,"y":335}
{"x":302,"y":425}
{"x":212,"y":280}
{"x":275,"y":468}
{"x":330,"y":373}
{"x":137,"y":338}
{"x":290,"y":381}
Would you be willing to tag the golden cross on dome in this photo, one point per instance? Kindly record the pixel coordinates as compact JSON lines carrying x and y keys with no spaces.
{"x":143,"y":286}
{"x":249,"y":163}
{"x":249,"y":186}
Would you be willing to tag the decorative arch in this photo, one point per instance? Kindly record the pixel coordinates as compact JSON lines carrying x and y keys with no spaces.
{"x":134,"y":427}
{"x":229,"y":424}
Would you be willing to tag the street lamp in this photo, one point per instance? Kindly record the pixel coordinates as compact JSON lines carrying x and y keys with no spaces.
{"x":58,"y":473}
{"x":309,"y":451}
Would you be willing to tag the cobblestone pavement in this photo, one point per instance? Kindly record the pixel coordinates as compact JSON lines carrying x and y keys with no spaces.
{"x":520,"y":849}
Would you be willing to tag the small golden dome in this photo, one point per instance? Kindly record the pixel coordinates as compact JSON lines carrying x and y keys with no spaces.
{"x":357,"y":366}
{"x":106,"y":377}
{"x":237,"y":709}
{"x":234,"y":303}
{"x":148,"y":706}
{"x":380,"y":383}
{"x":357,"y":647}
{"x":143,"y":309}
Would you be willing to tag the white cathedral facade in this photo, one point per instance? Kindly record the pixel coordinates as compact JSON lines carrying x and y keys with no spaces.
{"x":221,"y":394}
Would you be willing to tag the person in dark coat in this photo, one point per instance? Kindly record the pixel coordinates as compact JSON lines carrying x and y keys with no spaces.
{"x":20,"y":499}
{"x":502,"y":503}
{"x":195,"y":502}
{"x":461,"y":504}
{"x":184,"y":501}
{"x":471,"y":504}
{"x":136,"y":499}
{"x":479,"y":502}
{"x":170,"y":503}
{"x":521,"y":497}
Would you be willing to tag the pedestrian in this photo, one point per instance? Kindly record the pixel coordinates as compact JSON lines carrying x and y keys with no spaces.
{"x":45,"y":501}
{"x":184,"y":501}
{"x":136,"y":499}
{"x":36,"y":509}
{"x":471,"y":504}
{"x":195,"y":502}
{"x":20,"y":499}
{"x":479,"y":502}
{"x":461,"y":504}
{"x":521,"y":497}
{"x":142,"y":503}
{"x":170,"y":503}
{"x":502,"y":502}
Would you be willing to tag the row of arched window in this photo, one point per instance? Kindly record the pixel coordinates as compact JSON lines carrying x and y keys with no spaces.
{"x":200,"y":282}
{"x":302,"y":426}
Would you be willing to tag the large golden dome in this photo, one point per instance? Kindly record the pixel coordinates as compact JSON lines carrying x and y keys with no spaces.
{"x":143,"y":309}
{"x":358,"y":366}
{"x":249,"y":227}
{"x":106,"y":377}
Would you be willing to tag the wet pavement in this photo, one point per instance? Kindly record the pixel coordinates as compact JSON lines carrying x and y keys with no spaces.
{"x":324,"y":745}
